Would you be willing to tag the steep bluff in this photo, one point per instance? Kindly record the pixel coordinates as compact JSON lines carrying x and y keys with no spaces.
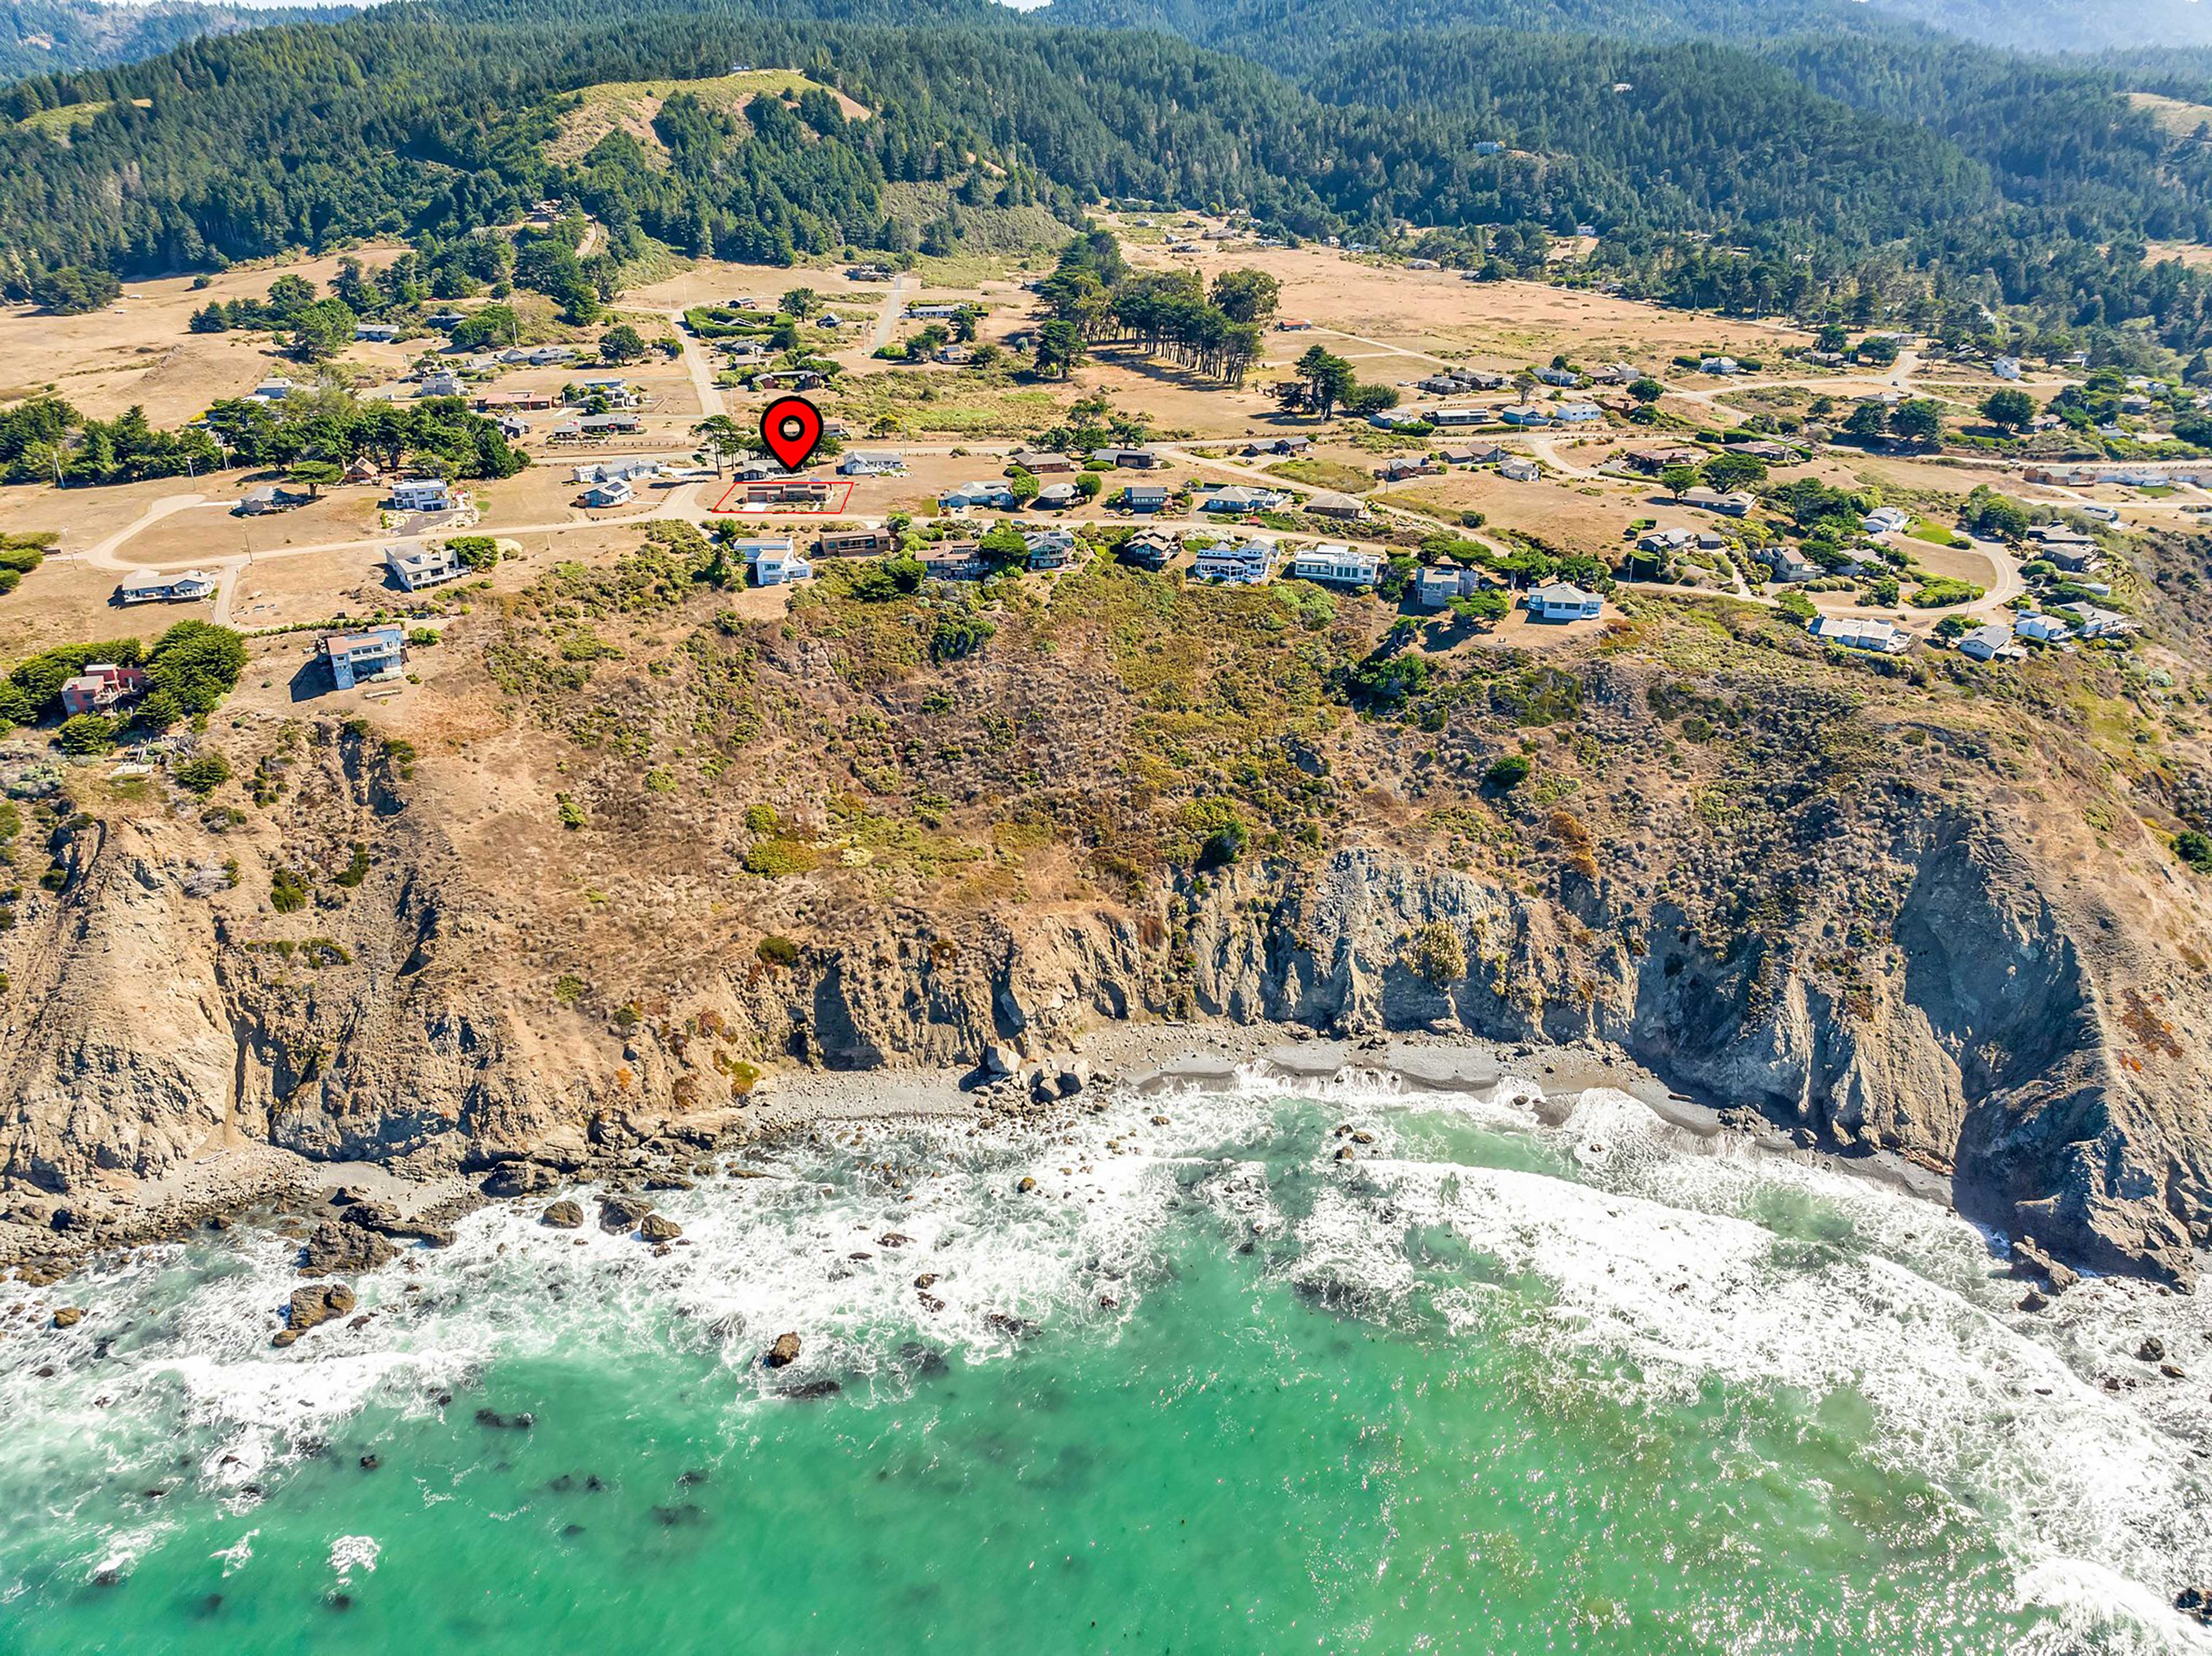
{"x":1991,"y":1032}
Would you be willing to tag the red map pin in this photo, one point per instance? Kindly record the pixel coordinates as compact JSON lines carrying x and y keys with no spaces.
{"x":792,"y":429}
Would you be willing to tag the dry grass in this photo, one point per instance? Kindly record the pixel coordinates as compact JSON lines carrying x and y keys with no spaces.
{"x":630,"y":106}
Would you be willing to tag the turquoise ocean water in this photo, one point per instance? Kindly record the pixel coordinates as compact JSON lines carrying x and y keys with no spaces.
{"x":1493,"y":1386}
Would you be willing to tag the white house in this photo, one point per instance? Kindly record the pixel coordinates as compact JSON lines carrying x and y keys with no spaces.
{"x":1877,"y":637}
{"x":1239,"y":497}
{"x":271,"y":391}
{"x":2005,"y":368}
{"x":1720,"y":365}
{"x":780,"y":567}
{"x":1519,"y":471}
{"x":1986,"y":644}
{"x":2044,"y":629}
{"x":862,"y":463}
{"x":1438,"y":584}
{"x":1236,"y":563}
{"x":185,"y":588}
{"x":420,"y":567}
{"x":614,"y":491}
{"x":1334,"y":564}
{"x":1577,"y":413}
{"x":424,"y":495}
{"x":1886,"y":520}
{"x":1562,"y":601}
{"x":440,"y":382}
{"x":1665,"y":540}
{"x":2093,"y":623}
{"x":380,"y":333}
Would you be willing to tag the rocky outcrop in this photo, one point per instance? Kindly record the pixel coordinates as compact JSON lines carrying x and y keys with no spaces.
{"x":310,"y":1307}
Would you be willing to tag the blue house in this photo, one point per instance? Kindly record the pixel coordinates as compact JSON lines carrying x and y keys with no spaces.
{"x":977,"y":494}
{"x":360,"y":658}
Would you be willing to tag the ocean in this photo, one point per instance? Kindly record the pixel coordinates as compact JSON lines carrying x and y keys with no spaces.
{"x":1491,"y":1385}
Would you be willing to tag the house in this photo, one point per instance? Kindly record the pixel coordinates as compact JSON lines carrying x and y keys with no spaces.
{"x":1719,"y":365}
{"x":1577,"y":413}
{"x":1397,"y":419}
{"x":1334,"y":565}
{"x":864,"y":462}
{"x":787,"y":491}
{"x":1652,"y":461}
{"x":1710,"y":540}
{"x":955,"y":561}
{"x":1133,"y":459}
{"x":1400,"y":466}
{"x":1488,"y":453}
{"x":1986,"y":644}
{"x":1438,"y":584}
{"x":932,"y":312}
{"x":1329,"y":504}
{"x":591,"y":427}
{"x":1051,"y":549}
{"x":609,"y":471}
{"x":1559,"y":376}
{"x":1238,"y":497}
{"x":1042,"y":462}
{"x":1562,"y":601}
{"x":511,"y":426}
{"x":828,"y":319}
{"x":1877,"y":637}
{"x":970,"y":495}
{"x":362,"y":658}
{"x":1422,"y":264}
{"x":1616,"y":374}
{"x":1760,"y":448}
{"x":495,"y":402}
{"x":618,"y":392}
{"x":2044,"y":629}
{"x":102,"y":686}
{"x":2090,"y":622}
{"x":615,"y":491}
{"x":1736,"y":504}
{"x":439,"y":382}
{"x":1151,"y":549}
{"x":2076,"y":557}
{"x":781,"y":567}
{"x":1517,"y":470}
{"x":1056,"y":498}
{"x":185,"y":588}
{"x":271,"y":391}
{"x":1236,"y":563}
{"x":1886,"y":520}
{"x":2005,"y":368}
{"x":1788,"y":567}
{"x":857,"y":543}
{"x":1524,"y":415}
{"x":380,"y":333}
{"x":867,"y":273}
{"x":1447,"y":419}
{"x":268,"y":498}
{"x":1293,"y":324}
{"x":1665,"y":540}
{"x":423,"y":566}
{"x":547,"y":355}
{"x":1146,"y":496}
{"x":1278,"y":446}
{"x":790,"y":379}
{"x":423,"y":495}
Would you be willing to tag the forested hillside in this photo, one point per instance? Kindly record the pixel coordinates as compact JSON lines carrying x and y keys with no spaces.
{"x":1877,"y":164}
{"x":49,"y":37}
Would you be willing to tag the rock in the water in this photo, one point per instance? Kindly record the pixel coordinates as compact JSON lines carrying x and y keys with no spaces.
{"x":2028,"y":1259}
{"x":1026,"y":1186}
{"x":1001,"y":1059}
{"x":2196,"y":1602}
{"x":563,"y":1215}
{"x":337,"y":1245}
{"x":657,"y":1228}
{"x":2033,"y":1301}
{"x":811,"y":1390}
{"x":313,"y":1306}
{"x":69,"y":1315}
{"x":784,"y":1351}
{"x":2152,"y":1350}
{"x":621,"y":1212}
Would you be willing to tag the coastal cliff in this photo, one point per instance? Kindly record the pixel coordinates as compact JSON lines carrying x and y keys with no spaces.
{"x":1867,"y":924}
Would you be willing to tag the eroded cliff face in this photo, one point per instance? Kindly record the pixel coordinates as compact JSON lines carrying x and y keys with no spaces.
{"x":1984,"y":1016}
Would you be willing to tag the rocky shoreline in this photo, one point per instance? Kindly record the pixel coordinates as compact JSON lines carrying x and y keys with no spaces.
{"x":354,"y":1216}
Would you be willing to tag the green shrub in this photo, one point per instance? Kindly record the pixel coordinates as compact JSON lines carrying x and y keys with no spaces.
{"x":779,"y":951}
{"x":356,"y":870}
{"x":1435,"y":953}
{"x":287,"y":892}
{"x":85,"y":732}
{"x":773,"y":858}
{"x":2194,"y":849}
{"x":203,"y":775}
{"x":1506,"y":773}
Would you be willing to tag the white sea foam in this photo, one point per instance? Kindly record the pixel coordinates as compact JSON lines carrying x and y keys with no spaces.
{"x":349,"y":1553}
{"x":1662,"y":1253}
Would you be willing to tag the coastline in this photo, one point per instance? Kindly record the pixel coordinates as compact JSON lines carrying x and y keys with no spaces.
{"x":250,"y":1182}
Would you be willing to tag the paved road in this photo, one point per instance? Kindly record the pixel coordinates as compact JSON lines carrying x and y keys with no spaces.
{"x":887,"y":318}
{"x":702,"y":367}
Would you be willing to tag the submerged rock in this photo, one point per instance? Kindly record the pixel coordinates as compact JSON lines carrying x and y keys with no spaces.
{"x":621,"y":1213}
{"x":2152,"y":1350}
{"x":562,"y":1216}
{"x":658,"y":1228}
{"x":810,"y":1390}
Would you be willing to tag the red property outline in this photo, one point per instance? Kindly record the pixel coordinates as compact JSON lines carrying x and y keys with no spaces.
{"x":837,"y":509}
